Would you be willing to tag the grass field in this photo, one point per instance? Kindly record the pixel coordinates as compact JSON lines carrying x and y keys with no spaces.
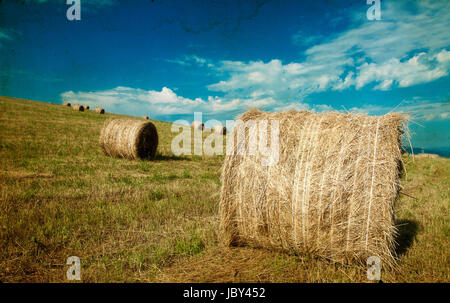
{"x":156,"y":221}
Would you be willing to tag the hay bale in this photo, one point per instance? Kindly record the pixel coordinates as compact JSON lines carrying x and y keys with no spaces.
{"x":86,"y":107}
{"x":78,"y":107}
{"x":99,"y":110}
{"x":221,"y":130}
{"x":129,"y":139}
{"x":65,"y":103}
{"x":145,"y":117}
{"x":198,"y":125}
{"x":331,"y":194}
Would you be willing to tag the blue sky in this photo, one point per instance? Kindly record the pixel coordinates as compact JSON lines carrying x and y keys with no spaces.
{"x":167,"y":59}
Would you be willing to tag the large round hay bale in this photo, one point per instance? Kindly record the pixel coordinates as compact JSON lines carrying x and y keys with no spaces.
{"x":86,"y":107}
{"x":219,"y":129}
{"x":99,"y":110}
{"x":78,"y":107}
{"x":145,"y":117}
{"x":198,"y":125}
{"x":129,"y":139}
{"x":330,"y":194}
{"x":65,"y":103}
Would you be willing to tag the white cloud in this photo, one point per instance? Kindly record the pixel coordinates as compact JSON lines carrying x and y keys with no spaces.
{"x":428,"y":111}
{"x":408,"y":47}
{"x":303,"y":39}
{"x":4,"y":35}
{"x":164,"y":103}
{"x":188,"y":60}
{"x":402,"y":50}
{"x":421,"y":68}
{"x":135,"y":101}
{"x":419,"y":110}
{"x":399,"y":32}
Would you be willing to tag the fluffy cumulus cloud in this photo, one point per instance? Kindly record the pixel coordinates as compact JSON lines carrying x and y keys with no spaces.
{"x":291,"y":82}
{"x":135,"y":101}
{"x":422,"y":68}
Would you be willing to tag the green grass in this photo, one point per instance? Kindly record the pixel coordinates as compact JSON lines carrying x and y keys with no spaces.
{"x":156,"y":221}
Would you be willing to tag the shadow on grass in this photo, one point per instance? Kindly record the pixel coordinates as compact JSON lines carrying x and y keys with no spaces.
{"x":170,"y":158}
{"x":407,"y":231}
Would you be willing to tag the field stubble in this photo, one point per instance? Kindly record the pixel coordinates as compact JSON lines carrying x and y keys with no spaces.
{"x":156,"y":221}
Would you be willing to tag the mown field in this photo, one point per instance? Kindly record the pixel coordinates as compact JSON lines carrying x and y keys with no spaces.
{"x":156,"y":221}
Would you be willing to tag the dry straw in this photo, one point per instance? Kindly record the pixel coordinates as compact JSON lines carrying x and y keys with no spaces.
{"x":331,"y":194}
{"x":129,"y":139}
{"x":99,"y":110}
{"x":198,"y":125}
{"x":145,"y":117}
{"x":78,"y":107}
{"x":87,"y":107}
{"x":221,"y":130}
{"x":65,"y":103}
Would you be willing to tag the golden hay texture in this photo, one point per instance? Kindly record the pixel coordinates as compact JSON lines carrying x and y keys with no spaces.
{"x":145,"y":117}
{"x":78,"y":107}
{"x":86,"y":107}
{"x":65,"y":103}
{"x":330,"y":195}
{"x":99,"y":110}
{"x":218,"y":129}
{"x":129,"y":139}
{"x":198,"y":125}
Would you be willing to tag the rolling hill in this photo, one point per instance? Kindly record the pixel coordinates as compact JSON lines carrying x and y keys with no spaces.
{"x":156,"y":221}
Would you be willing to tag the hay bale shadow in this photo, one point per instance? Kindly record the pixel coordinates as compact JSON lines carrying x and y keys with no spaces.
{"x":407,"y":231}
{"x":160,"y":157}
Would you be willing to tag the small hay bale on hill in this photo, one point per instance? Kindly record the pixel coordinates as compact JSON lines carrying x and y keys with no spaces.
{"x":78,"y":107}
{"x":221,"y":130}
{"x":99,"y":110}
{"x":65,"y":103}
{"x":86,"y":107}
{"x":331,"y":193}
{"x":129,"y":139}
{"x":198,"y":125}
{"x":145,"y":117}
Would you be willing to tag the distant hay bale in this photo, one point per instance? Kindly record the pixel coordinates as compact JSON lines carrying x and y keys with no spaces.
{"x":78,"y":107}
{"x":221,"y":130}
{"x":129,"y":139}
{"x":198,"y":125}
{"x":145,"y":117}
{"x":331,"y":194}
{"x":65,"y":103}
{"x":86,"y":107}
{"x":99,"y":110}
